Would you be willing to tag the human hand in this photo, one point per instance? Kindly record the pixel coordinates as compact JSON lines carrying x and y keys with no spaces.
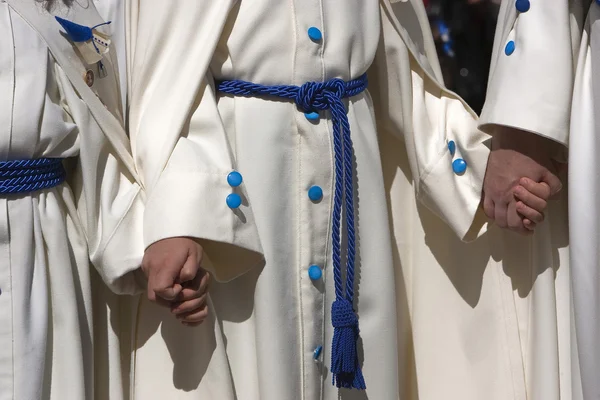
{"x":191,"y":305}
{"x":517,"y":154}
{"x":168,"y":265}
{"x":531,"y":200}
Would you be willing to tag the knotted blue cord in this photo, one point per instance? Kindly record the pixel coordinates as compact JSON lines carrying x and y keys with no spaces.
{"x":314,"y":97}
{"x":27,"y":176}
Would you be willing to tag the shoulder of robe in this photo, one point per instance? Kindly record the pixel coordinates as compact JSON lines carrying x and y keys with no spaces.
{"x":412,"y":24}
{"x":103,"y":96}
{"x":96,"y":68}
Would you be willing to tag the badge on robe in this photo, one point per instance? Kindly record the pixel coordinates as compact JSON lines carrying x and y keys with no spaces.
{"x":91,"y":43}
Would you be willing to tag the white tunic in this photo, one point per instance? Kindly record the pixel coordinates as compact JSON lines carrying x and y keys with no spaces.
{"x":584,"y":189}
{"x":46,"y":338}
{"x":530,"y":88}
{"x":439,"y":319}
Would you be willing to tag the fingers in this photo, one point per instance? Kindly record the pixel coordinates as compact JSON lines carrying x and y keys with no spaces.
{"x":530,"y":213}
{"x":169,"y":264}
{"x":189,"y":306}
{"x":540,"y":190}
{"x":552,"y":181}
{"x":529,"y":224}
{"x":167,"y":293}
{"x":192,"y":265}
{"x":194,"y":317}
{"x":514,"y":220}
{"x":195,"y":288}
{"x":531,"y":206}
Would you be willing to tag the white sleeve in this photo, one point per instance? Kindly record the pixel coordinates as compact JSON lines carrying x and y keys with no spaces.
{"x":533,"y":65}
{"x":178,"y":139}
{"x":413,"y":106}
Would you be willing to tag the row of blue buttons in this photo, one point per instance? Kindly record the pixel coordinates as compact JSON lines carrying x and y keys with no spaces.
{"x":315,"y":193}
{"x":234,"y":200}
{"x":522,"y":6}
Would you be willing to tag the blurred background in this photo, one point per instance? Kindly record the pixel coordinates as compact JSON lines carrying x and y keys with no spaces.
{"x":464,"y":34}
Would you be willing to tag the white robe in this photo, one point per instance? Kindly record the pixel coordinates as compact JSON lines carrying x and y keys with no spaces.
{"x":531,"y":89}
{"x":584,"y":189}
{"x":439,"y":319}
{"x":46,"y":339}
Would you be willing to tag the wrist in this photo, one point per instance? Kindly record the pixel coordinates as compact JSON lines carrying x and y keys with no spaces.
{"x":524,"y":142}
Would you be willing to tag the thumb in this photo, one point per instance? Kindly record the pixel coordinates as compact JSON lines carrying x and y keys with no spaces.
{"x":169,"y":293}
{"x":190,"y":269}
{"x":164,"y":284}
{"x":552,"y":180}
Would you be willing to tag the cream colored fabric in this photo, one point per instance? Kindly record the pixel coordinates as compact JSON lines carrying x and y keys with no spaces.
{"x":584,"y":188}
{"x":46,"y":339}
{"x":439,"y":318}
{"x":531,"y":90}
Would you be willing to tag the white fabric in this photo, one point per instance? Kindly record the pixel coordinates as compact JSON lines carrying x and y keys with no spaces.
{"x":530,"y":90}
{"x":114,"y":11}
{"x":439,"y":319}
{"x":584,"y":188}
{"x":46,"y":339}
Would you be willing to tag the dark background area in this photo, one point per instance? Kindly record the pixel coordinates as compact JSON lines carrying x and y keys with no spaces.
{"x":464,"y":34}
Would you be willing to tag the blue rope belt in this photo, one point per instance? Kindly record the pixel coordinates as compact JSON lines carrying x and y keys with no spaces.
{"x":314,"y":97}
{"x":27,"y":176}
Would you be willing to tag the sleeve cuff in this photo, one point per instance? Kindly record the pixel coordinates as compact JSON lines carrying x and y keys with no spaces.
{"x":120,"y":260}
{"x":192,"y":204}
{"x":461,"y":194}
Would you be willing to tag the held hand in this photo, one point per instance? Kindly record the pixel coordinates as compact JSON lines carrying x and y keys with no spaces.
{"x":531,"y":198}
{"x":168,"y":265}
{"x":191,"y":306}
{"x":517,"y":154}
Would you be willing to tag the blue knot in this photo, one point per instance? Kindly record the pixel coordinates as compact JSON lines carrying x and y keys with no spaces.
{"x":345,"y":366}
{"x":317,"y":96}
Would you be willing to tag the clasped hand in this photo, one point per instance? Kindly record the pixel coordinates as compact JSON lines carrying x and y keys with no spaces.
{"x":521,"y":177}
{"x":176,"y":280}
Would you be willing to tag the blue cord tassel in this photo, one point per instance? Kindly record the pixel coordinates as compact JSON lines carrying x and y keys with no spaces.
{"x":344,"y":358}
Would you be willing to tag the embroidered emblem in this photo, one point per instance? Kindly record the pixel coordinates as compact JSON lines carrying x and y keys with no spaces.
{"x":91,"y":43}
{"x":89,"y":77}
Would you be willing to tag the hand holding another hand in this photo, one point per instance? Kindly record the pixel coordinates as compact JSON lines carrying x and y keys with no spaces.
{"x":175,"y":278}
{"x":520,"y":178}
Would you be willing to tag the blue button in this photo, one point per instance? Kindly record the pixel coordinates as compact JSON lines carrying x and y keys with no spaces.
{"x":315,"y":34}
{"x":234,"y":179}
{"x":452,"y":147}
{"x":598,"y":2}
{"x":315,"y":193}
{"x":510,"y":48}
{"x":315,"y":273}
{"x":319,"y":350}
{"x":522,"y":5}
{"x":312,"y":116}
{"x":459,"y":166}
{"x":234,"y":200}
